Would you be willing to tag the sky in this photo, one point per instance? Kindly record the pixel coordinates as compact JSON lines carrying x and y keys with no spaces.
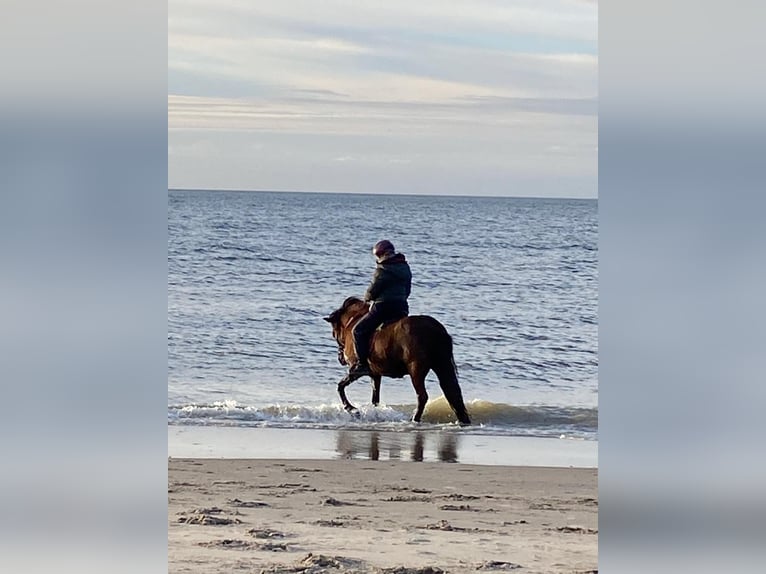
{"x":458,"y":97}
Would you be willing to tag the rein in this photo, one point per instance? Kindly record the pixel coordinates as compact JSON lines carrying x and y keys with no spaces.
{"x":351,"y":320}
{"x":346,"y":330}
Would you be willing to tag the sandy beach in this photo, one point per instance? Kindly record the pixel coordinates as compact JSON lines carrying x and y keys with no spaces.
{"x":393,"y":517}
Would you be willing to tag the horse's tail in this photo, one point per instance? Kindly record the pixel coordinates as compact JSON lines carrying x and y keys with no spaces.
{"x":446,"y":371}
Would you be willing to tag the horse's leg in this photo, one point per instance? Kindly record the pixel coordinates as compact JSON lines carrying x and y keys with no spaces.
{"x":344,"y":382}
{"x":419,"y":382}
{"x":375,"y":390}
{"x":447,"y":374}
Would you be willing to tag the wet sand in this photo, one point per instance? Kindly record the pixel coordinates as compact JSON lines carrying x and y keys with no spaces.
{"x":414,"y":445}
{"x":385,"y":516}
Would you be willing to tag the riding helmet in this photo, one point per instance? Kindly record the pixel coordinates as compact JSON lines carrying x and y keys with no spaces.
{"x":383,"y":247}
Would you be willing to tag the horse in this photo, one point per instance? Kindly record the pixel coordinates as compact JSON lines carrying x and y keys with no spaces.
{"x":412,"y":345}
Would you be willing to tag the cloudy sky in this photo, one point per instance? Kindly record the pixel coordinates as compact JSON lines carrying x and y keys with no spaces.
{"x":469,"y":97}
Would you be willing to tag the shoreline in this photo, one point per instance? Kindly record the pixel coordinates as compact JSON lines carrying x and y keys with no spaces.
{"x":415,"y":446}
{"x":281,"y":516}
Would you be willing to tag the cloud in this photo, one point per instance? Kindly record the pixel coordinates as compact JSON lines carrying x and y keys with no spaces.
{"x":382,"y":86}
{"x":394,"y":19}
{"x":376,"y":52}
{"x":301,"y":113}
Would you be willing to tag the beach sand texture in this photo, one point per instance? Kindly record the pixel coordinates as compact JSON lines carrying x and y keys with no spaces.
{"x":392,"y":517}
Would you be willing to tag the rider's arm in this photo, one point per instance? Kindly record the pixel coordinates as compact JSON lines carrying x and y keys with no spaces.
{"x":376,"y":285}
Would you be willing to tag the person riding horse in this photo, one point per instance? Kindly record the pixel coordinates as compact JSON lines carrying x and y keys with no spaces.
{"x":387,"y":298}
{"x":413,"y":345}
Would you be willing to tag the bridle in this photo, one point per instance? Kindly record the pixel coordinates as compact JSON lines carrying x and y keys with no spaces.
{"x":340,"y":342}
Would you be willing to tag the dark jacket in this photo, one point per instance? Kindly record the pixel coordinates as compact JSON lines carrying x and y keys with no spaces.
{"x":391,"y":281}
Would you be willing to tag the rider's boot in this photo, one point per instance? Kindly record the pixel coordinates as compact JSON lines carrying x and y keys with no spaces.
{"x":360,"y":368}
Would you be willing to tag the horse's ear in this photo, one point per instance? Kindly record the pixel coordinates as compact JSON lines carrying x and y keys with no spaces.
{"x":327,"y":319}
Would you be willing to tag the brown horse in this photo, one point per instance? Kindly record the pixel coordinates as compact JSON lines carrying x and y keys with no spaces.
{"x":410,"y":346}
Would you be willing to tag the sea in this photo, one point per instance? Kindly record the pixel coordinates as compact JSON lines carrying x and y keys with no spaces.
{"x":253,"y":369}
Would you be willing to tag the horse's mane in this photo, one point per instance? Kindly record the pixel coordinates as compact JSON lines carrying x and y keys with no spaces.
{"x":335,"y":315}
{"x":350,"y":301}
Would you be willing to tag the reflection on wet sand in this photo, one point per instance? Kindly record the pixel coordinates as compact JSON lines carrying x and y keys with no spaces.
{"x":374,"y":445}
{"x":448,"y":448}
{"x":418,"y":447}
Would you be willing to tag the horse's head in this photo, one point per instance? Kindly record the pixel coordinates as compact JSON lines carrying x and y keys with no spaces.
{"x":340,"y":319}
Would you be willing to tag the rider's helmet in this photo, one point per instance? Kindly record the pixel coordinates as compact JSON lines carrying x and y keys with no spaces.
{"x":383,"y":249}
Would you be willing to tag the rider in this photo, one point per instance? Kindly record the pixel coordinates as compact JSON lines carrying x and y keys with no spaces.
{"x":387,"y":297}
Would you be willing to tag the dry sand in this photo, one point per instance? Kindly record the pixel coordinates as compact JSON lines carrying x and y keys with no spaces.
{"x":393,"y":517}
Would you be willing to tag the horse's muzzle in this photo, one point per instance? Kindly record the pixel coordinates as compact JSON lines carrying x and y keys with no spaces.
{"x":342,"y":357}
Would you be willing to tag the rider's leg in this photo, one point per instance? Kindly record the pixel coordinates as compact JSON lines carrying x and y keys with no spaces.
{"x":362,"y":333}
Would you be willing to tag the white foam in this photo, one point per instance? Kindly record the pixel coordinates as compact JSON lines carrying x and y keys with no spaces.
{"x":488,"y":418}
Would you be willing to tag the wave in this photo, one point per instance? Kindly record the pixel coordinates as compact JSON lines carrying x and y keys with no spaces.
{"x":487,"y":417}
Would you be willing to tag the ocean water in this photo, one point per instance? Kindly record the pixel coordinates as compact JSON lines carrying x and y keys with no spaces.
{"x":251,"y":274}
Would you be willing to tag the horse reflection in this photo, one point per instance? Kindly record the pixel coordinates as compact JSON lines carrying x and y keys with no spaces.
{"x":418,"y":447}
{"x":448,"y":448}
{"x":365,"y":445}
{"x":374,"y":446}
{"x":370,"y":445}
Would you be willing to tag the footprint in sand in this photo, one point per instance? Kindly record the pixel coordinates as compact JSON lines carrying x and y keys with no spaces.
{"x":265,"y":533}
{"x":208,"y":520}
{"x":460,"y":497}
{"x":330,"y":501}
{"x":497,"y":565}
{"x":246,"y":504}
{"x":330,"y":523}
{"x":206,"y":517}
{"x":273,"y":546}
{"x":576,"y":530}
{"x":229,"y":544}
{"x":461,"y":508}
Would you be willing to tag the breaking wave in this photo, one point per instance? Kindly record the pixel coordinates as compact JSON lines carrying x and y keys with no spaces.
{"x":487,"y":417}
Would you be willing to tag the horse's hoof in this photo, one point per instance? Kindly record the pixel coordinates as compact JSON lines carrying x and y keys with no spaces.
{"x":352,"y":410}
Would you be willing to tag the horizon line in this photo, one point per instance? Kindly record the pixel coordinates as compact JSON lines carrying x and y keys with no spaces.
{"x":381,"y":193}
